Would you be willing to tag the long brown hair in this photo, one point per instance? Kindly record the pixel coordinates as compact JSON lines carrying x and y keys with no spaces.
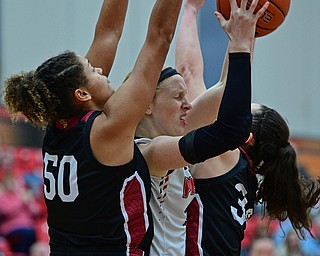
{"x":284,"y":192}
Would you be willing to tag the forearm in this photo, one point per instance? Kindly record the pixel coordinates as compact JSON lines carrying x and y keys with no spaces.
{"x":206,"y":106}
{"x":232,"y":127}
{"x":161,"y":29}
{"x":108,"y":31}
{"x":188,"y":58}
{"x":163,"y":20}
{"x":112,"y":17}
{"x":236,"y":100}
{"x":147,"y":68}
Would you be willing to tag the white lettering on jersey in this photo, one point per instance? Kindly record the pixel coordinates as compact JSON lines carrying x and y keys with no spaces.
{"x":50,"y":191}
{"x":242,"y":203}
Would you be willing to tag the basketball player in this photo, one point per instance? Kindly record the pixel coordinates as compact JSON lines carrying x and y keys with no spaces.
{"x":173,"y":191}
{"x":96,"y":182}
{"x":227,"y":184}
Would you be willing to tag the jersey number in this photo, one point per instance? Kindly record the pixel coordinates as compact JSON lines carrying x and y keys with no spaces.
{"x":50,"y":191}
{"x":242,"y":203}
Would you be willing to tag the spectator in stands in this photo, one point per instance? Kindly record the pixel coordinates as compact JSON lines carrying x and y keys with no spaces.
{"x":291,"y":245}
{"x":39,"y":248}
{"x":4,"y":247}
{"x":17,"y":211}
{"x":263,"y":247}
{"x":286,"y":239}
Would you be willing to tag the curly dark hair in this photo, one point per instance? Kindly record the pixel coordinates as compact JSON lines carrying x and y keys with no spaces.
{"x":46,"y":94}
{"x":284,"y":192}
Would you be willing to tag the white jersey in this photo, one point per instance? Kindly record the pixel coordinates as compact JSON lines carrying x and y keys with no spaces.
{"x":170,"y":197}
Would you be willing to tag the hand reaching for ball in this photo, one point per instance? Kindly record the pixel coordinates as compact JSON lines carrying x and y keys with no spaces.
{"x":240,"y":27}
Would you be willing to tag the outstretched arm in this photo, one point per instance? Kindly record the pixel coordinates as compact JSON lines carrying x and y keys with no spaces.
{"x":188,"y":58}
{"x":189,"y":62}
{"x":115,"y":128}
{"x":205,"y":107}
{"x":107,"y":34}
{"x":129,"y":103}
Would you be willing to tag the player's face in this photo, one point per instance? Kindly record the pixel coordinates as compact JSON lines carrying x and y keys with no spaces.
{"x":169,"y":107}
{"x":98,"y":86}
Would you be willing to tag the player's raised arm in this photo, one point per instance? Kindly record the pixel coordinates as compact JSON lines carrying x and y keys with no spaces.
{"x":107,"y":34}
{"x":188,"y":58}
{"x":128,"y":104}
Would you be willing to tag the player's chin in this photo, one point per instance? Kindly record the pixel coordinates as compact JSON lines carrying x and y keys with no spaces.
{"x":181,"y":130}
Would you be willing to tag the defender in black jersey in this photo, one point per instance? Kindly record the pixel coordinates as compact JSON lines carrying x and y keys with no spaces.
{"x":93,"y":207}
{"x":230,"y":185}
{"x":228,"y":202}
{"x":96,"y":183}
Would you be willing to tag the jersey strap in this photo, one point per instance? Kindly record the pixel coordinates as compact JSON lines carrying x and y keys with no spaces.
{"x":249,"y":160}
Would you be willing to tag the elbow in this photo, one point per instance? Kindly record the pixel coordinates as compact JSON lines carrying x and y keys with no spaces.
{"x":243,"y":130}
{"x":236,"y":133}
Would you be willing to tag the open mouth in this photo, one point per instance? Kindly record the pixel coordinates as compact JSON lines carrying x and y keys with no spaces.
{"x":183,"y":119}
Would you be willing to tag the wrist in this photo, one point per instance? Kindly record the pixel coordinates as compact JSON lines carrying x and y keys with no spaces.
{"x":240,"y":46}
{"x":191,"y":7}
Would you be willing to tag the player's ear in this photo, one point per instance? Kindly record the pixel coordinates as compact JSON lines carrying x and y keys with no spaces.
{"x":82,"y":95}
{"x":149,"y":110}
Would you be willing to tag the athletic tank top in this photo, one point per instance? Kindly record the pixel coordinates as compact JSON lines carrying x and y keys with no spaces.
{"x":228,"y":202}
{"x":94,"y":209}
{"x":170,"y":199}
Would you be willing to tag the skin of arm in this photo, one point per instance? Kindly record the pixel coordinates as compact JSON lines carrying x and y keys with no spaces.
{"x":203,"y":103}
{"x":188,"y":57}
{"x":165,"y":147}
{"x":113,"y":131}
{"x":189,"y":63}
{"x":107,"y":34}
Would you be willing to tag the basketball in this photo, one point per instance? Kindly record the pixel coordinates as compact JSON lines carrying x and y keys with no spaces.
{"x":269,"y":21}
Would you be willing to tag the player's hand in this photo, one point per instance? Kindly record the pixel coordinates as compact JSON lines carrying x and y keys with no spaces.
{"x":241,"y":26}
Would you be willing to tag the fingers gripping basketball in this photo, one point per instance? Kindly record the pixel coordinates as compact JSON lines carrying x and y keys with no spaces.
{"x":269,"y":21}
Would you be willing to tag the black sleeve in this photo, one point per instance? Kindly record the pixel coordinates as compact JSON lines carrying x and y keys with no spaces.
{"x":232,"y":127}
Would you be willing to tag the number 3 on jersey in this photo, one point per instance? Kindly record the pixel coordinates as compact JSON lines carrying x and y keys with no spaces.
{"x":242,"y":203}
{"x":51,"y":161}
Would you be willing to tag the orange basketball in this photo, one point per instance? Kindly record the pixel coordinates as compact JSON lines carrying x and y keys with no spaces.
{"x":269,"y":21}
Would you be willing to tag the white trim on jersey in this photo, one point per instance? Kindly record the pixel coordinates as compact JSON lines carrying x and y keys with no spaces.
{"x":127,"y":227}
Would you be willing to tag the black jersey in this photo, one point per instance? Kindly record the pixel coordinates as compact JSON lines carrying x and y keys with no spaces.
{"x":94,"y":209}
{"x":228,"y":201}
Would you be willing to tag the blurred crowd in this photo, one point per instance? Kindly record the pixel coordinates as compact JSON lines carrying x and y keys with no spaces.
{"x":267,"y":237}
{"x":23,"y":229}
